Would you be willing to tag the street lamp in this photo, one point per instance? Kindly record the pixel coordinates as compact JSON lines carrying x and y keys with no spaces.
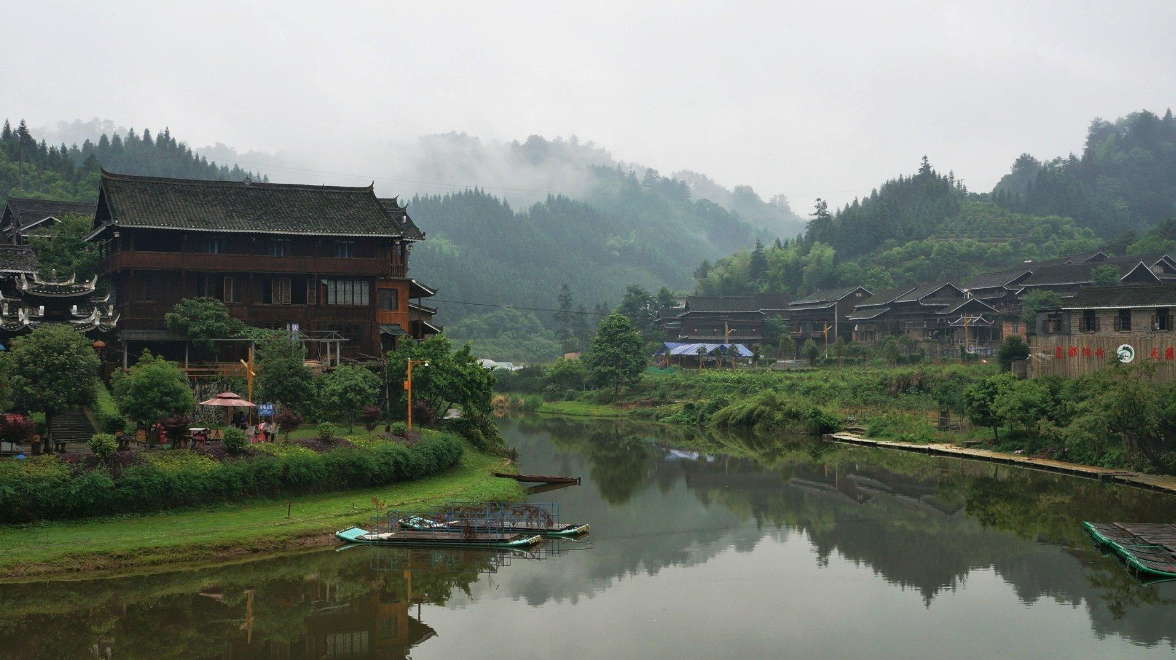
{"x":408,"y":386}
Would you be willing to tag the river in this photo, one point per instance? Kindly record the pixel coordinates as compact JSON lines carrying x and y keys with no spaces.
{"x":701,"y":547}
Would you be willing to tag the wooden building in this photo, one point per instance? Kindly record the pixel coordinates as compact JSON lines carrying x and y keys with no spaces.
{"x":1067,"y":279}
{"x":823,"y":315}
{"x":28,"y":300}
{"x":25,"y":217}
{"x":918,"y":312}
{"x":317,"y":260}
{"x":723,"y":319}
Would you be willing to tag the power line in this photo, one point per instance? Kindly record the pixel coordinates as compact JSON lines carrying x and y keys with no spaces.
{"x":526,"y":309}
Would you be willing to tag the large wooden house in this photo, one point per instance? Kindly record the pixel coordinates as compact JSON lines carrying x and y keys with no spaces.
{"x":328,"y":262}
{"x":23,"y":218}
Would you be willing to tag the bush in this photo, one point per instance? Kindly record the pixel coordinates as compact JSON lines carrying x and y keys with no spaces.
{"x":422,"y":412}
{"x":371,"y":417}
{"x":771,"y":412}
{"x":44,"y":488}
{"x":16,"y":429}
{"x":235,"y":439}
{"x":287,"y":420}
{"x":399,"y":428}
{"x":326,"y":431}
{"x":103,"y":446}
{"x":479,"y":430}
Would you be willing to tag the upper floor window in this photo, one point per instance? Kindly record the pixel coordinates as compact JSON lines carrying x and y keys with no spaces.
{"x":281,"y":247}
{"x":1090,"y":321}
{"x":1123,"y":320}
{"x":212,"y":245}
{"x":387,"y":300}
{"x":345,"y":249}
{"x":1162,"y":320}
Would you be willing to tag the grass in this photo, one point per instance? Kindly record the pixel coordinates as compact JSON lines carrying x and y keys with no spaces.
{"x":232,"y":530}
{"x":581,"y":409}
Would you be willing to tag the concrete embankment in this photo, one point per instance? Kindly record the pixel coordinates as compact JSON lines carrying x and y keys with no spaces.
{"x":1158,"y":483}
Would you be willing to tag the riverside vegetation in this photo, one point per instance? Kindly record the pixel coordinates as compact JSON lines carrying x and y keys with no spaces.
{"x":1114,"y":418}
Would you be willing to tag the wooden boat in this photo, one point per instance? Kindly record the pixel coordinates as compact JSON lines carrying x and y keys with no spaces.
{"x":1147,"y":548}
{"x":551,"y":530}
{"x":537,"y":478}
{"x":438,"y":537}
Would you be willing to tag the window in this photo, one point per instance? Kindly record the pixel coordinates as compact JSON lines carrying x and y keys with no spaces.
{"x":1123,"y":320}
{"x":1162,"y":320}
{"x":212,"y":245}
{"x":1052,"y":324}
{"x":143,"y":289}
{"x":230,"y":291}
{"x":1090,"y":321}
{"x":280,"y":290}
{"x":1015,"y":327}
{"x":388,"y":300}
{"x":347,"y":292}
{"x":345,"y":249}
{"x":281,"y":247}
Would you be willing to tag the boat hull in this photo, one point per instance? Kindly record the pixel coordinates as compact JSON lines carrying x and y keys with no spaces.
{"x":356,"y":535}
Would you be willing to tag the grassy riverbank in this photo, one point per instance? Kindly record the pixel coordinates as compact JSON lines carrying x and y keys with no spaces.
{"x":232,"y":530}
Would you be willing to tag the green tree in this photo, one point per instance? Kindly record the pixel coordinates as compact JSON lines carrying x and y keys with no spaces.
{"x":282,"y":374}
{"x":152,"y":390}
{"x":891,"y":349}
{"x":567,"y":374}
{"x":1024,"y":403}
{"x":812,"y":352}
{"x":348,"y":389}
{"x":616,"y":358}
{"x":639,"y":307}
{"x":757,"y":267}
{"x":64,"y":249}
{"x":980,"y":402}
{"x":53,"y":370}
{"x":1107,"y":275}
{"x":1033,"y":303}
{"x":453,"y":377}
{"x":786,"y":346}
{"x":839,"y":350}
{"x":581,"y":327}
{"x":1012,"y":349}
{"x":563,"y":317}
{"x":203,"y":320}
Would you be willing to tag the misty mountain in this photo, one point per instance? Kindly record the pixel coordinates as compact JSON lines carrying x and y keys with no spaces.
{"x":1125,"y":178}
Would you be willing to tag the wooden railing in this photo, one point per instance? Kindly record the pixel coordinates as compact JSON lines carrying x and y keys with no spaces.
{"x":250,"y":263}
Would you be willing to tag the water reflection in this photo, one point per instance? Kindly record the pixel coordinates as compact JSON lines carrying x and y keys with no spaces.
{"x":690,"y":531}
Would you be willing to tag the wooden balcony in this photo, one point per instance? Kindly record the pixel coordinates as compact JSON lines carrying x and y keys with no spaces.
{"x":175,"y":261}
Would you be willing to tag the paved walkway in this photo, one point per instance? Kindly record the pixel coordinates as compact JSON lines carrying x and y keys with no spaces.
{"x":1161,"y":483}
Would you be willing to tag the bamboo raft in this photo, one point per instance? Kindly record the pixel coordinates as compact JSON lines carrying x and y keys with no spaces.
{"x":438,"y":537}
{"x":1148,"y":548}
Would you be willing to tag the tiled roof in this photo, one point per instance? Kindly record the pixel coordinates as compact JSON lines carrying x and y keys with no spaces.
{"x":996,"y":278}
{"x":755,"y":303}
{"x":923,"y":291}
{"x":985,"y":307}
{"x":867,"y":314}
{"x":399,"y":215}
{"x":243,"y":206}
{"x":885,"y":297}
{"x":829,"y":296}
{"x":18,"y":259}
{"x":1079,"y":273}
{"x":1123,"y":295}
{"x":26,"y":211}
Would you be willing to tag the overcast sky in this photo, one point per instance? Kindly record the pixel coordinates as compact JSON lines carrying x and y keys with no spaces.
{"x":797,"y":98}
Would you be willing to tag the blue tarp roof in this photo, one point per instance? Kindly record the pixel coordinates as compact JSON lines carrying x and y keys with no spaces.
{"x":678,"y":348}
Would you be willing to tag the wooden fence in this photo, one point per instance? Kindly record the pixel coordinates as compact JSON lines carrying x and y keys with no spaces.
{"x":1070,"y":356}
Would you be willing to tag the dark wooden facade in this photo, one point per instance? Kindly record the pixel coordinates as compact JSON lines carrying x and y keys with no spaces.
{"x":326,"y":259}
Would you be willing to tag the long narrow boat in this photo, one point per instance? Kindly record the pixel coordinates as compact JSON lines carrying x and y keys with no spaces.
{"x":1148,"y":548}
{"x":438,"y":537}
{"x":553,"y":530}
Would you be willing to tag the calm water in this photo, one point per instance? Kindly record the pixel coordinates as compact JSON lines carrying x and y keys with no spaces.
{"x":729,"y":549}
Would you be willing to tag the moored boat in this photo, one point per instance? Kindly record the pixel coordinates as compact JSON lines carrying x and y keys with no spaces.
{"x":438,"y":537}
{"x":551,"y":530}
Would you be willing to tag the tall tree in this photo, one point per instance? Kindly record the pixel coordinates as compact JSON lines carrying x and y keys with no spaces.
{"x":53,"y":370}
{"x":563,"y":317}
{"x":615,"y":358}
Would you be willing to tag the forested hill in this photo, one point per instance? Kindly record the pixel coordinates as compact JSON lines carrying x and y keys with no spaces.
{"x":33,"y":168}
{"x":645,"y":231}
{"x":919,"y":228}
{"x":1125,"y":179}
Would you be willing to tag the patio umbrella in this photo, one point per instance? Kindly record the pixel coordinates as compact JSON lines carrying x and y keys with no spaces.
{"x":228,"y":400}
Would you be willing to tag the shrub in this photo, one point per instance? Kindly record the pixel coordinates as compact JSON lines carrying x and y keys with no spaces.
{"x":39,"y":424}
{"x":399,"y":428}
{"x":16,"y":429}
{"x":288,"y":421}
{"x":371,"y":417}
{"x":479,"y":430}
{"x":103,"y":446}
{"x":235,"y":439}
{"x":326,"y":431}
{"x":422,"y":412}
{"x":45,"y":488}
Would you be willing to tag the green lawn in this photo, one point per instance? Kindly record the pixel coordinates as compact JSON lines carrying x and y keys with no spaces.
{"x":232,"y":530}
{"x":581,"y":409}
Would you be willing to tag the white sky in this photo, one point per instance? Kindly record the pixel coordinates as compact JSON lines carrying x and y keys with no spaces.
{"x":804,"y":98}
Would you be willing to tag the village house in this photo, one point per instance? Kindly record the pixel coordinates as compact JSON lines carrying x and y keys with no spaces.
{"x":823,"y":315}
{"x":1066,"y":279}
{"x":918,"y":312}
{"x":328,"y":263}
{"x":1001,"y":290}
{"x":723,"y":319}
{"x":24,"y":218}
{"x":28,"y":300}
{"x":1104,"y":323}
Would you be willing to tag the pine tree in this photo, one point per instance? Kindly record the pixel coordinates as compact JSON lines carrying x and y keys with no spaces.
{"x":563,"y":317}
